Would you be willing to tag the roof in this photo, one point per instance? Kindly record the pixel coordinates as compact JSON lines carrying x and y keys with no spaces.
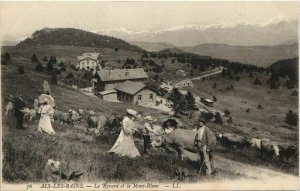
{"x":130,"y":87}
{"x":124,"y":74}
{"x":108,"y":92}
{"x":93,"y":55}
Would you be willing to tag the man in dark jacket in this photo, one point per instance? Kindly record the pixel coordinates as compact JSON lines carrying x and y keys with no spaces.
{"x":204,"y":140}
{"x":19,"y":104}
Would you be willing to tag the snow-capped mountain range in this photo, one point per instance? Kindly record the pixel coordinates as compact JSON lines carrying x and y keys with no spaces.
{"x":276,"y":31}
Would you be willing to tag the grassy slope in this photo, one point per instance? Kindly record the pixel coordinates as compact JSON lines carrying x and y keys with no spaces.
{"x":31,"y":83}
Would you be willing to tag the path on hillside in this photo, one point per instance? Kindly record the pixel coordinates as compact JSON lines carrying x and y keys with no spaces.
{"x":208,"y":73}
{"x":261,"y":176}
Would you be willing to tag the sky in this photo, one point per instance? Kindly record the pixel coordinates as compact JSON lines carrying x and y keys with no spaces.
{"x":21,"y":19}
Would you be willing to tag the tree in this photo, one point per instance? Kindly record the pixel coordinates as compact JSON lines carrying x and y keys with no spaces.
{"x":191,"y":72}
{"x":177,"y":98}
{"x":34,"y":59}
{"x":49,"y":67}
{"x":21,"y":70}
{"x":5,"y":59}
{"x":39,"y":67}
{"x":116,"y":49}
{"x":218,"y":118}
{"x":45,"y":59}
{"x":190,"y":101}
{"x":53,"y":78}
{"x":257,"y":81}
{"x":291,"y":118}
{"x":156,"y":78}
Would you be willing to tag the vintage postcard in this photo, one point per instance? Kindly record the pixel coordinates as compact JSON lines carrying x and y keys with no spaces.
{"x":140,"y":95}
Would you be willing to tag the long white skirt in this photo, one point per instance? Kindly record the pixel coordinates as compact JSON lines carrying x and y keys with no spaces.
{"x":125,"y":146}
{"x":45,"y":125}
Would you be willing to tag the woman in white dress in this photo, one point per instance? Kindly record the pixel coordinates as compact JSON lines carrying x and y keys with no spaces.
{"x":124,"y":145}
{"x":46,"y":112}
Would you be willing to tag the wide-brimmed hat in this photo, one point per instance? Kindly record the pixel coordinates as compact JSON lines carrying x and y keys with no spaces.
{"x":131,"y":112}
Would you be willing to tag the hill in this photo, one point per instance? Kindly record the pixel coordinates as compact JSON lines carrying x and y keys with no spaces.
{"x":153,"y":46}
{"x":75,"y":37}
{"x":256,"y":55}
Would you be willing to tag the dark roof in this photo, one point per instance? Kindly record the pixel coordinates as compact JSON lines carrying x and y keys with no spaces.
{"x":130,"y":87}
{"x":124,"y":74}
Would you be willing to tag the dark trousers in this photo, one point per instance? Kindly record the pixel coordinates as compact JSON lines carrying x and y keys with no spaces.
{"x":20,"y":118}
{"x":147,"y":143}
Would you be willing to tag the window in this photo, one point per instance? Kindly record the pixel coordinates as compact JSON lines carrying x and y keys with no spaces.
{"x":139,"y":97}
{"x":151,"y":96}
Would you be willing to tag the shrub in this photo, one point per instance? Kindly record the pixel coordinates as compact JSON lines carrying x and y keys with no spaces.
{"x":257,"y":81}
{"x":291,"y":118}
{"x":21,"y":70}
{"x":259,"y":107}
{"x":207,"y":116}
{"x":248,"y":110}
{"x":218,"y":118}
{"x":227,"y":112}
{"x":214,"y":99}
{"x":295,"y":93}
{"x":39,"y":67}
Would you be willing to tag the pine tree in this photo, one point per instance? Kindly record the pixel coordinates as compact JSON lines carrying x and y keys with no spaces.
{"x":34,"y":59}
{"x":5,"y":59}
{"x":39,"y":67}
{"x":190,"y":101}
{"x":177,"y":98}
{"x":257,"y":81}
{"x":291,"y":118}
{"x":49,"y":67}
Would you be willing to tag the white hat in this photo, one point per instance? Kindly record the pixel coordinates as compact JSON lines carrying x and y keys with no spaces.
{"x":92,"y":113}
{"x":132,"y":112}
{"x":149,"y":118}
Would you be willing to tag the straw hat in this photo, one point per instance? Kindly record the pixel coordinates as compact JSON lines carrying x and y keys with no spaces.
{"x":149,"y":118}
{"x":131,"y":112}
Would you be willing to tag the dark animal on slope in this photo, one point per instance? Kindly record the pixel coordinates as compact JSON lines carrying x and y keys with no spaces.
{"x":233,"y":140}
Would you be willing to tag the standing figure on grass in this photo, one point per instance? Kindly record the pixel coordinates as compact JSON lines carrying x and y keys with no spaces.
{"x":148,"y":128}
{"x":46,"y":112}
{"x":124,"y":146}
{"x":19,"y":104}
{"x":204,"y":141}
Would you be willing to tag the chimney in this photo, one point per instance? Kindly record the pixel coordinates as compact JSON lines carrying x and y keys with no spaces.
{"x":126,"y":73}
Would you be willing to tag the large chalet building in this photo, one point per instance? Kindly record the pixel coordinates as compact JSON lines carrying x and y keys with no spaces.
{"x":89,"y":61}
{"x":125,"y":85}
{"x":109,"y":79}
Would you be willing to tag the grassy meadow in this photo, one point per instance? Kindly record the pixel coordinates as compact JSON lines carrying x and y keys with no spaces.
{"x":27,"y":151}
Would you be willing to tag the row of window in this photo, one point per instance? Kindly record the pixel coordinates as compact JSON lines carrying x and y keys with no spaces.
{"x":150,"y":97}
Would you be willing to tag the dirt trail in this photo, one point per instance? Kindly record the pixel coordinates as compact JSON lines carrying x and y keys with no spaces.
{"x":252,"y":177}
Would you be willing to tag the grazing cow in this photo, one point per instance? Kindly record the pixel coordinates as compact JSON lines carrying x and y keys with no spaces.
{"x":62,"y":117}
{"x":180,"y":140}
{"x":9,"y":109}
{"x":115,"y":123}
{"x":170,"y":123}
{"x":287,"y":150}
{"x":75,"y":116}
{"x":98,"y":122}
{"x":233,"y":139}
{"x":80,"y":111}
{"x":255,"y":143}
{"x":29,"y":114}
{"x":269,"y":148}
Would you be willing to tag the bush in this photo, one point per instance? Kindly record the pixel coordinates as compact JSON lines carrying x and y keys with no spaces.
{"x":214,"y":99}
{"x":257,"y":81}
{"x":39,"y":67}
{"x":21,"y":70}
{"x":259,"y":107}
{"x":291,"y":118}
{"x":295,"y":93}
{"x":227,"y":112}
{"x":218,"y":118}
{"x":248,"y":110}
{"x":207,"y":116}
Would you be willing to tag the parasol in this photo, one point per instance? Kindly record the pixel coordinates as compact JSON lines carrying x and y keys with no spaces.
{"x":48,"y":97}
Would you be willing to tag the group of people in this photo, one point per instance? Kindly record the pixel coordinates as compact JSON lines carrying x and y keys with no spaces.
{"x":43,"y":108}
{"x":125,"y":146}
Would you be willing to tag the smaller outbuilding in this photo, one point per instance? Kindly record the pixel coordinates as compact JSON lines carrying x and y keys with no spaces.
{"x":109,"y":95}
{"x":135,"y":93}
